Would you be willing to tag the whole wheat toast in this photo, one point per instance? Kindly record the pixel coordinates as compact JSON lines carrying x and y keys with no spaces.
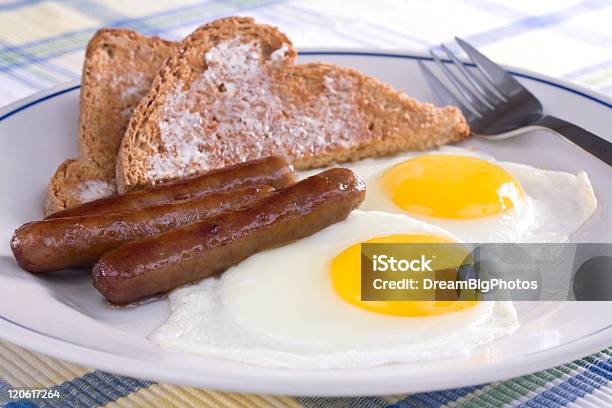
{"x":231,"y":92}
{"x":119,"y":67}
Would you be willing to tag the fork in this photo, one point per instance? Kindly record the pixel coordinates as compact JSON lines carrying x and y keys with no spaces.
{"x":497,"y":106}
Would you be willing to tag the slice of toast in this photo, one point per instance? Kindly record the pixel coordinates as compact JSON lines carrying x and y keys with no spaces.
{"x":76,"y":182}
{"x":231,"y":92}
{"x":119,"y":67}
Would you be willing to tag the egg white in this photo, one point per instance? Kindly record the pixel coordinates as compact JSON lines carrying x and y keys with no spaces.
{"x":555,"y":206}
{"x":278,"y":308}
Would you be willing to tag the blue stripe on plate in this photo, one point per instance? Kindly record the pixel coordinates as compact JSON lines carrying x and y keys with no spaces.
{"x":37,"y":101}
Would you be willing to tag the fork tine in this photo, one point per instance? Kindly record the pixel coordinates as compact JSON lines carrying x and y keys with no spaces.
{"x":487,"y":93}
{"x":444,"y":96}
{"x":493,"y":72}
{"x":464,"y":90}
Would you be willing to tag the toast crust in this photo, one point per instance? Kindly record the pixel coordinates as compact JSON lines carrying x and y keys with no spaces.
{"x":119,"y":67}
{"x":76,"y":182}
{"x":231,"y":92}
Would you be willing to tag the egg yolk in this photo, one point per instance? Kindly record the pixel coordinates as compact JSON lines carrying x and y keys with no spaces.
{"x":345,"y":274}
{"x":452,"y":186}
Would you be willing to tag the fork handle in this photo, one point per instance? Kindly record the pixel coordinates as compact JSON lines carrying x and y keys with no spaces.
{"x":598,"y":147}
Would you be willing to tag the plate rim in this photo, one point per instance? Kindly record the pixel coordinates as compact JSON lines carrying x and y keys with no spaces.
{"x":65,"y":350}
{"x":310,"y":382}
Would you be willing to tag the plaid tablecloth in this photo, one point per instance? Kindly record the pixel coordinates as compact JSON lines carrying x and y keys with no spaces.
{"x":42,"y":44}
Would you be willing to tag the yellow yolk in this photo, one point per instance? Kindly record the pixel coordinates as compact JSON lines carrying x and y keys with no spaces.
{"x":346,"y":279}
{"x":451,"y":186}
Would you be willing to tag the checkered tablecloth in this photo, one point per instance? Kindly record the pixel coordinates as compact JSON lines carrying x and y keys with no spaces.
{"x":42,"y":44}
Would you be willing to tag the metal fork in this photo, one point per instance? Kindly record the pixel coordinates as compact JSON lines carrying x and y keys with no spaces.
{"x":497,"y":106}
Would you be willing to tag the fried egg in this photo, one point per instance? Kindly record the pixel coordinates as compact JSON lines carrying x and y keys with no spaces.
{"x":476,"y":197}
{"x":298,"y":306}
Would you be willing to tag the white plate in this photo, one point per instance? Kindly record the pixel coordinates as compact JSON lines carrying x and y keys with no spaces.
{"x":63,"y":316}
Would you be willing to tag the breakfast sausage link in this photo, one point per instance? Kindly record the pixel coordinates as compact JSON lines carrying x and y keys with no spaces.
{"x":273,"y":171}
{"x":70,"y":242}
{"x":158,"y":264}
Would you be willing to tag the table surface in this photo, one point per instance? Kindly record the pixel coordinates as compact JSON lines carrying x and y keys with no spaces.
{"x":42,"y":45}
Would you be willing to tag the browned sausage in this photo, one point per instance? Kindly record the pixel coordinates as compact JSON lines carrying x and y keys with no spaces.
{"x":70,"y":242}
{"x":273,"y":171}
{"x":158,"y":264}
